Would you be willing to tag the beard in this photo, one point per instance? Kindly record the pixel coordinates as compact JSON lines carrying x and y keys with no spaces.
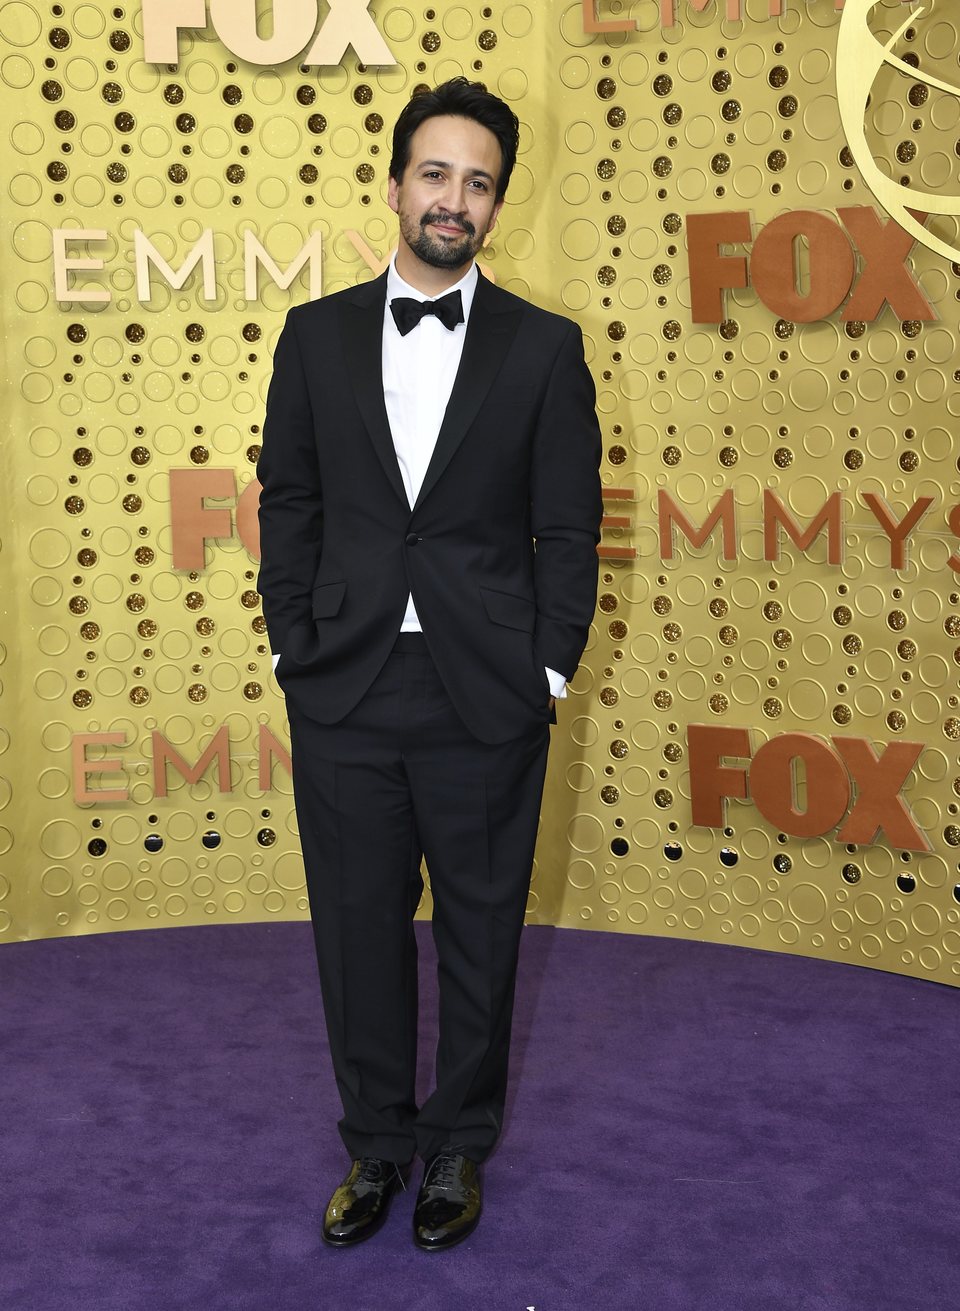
{"x":441,"y":252}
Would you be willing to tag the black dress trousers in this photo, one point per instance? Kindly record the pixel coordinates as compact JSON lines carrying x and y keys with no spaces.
{"x":398,"y":779}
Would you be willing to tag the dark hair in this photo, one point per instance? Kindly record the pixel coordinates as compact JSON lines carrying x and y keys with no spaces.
{"x":458,"y":98}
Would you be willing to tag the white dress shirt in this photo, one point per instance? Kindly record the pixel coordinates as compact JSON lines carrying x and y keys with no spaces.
{"x":419,"y":371}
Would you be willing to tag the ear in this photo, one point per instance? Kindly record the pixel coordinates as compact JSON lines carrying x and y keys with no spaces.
{"x":393,"y":190}
{"x":494,"y":215}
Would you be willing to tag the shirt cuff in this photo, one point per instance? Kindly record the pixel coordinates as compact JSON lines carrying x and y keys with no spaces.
{"x":275,"y":658}
{"x":558,"y":684}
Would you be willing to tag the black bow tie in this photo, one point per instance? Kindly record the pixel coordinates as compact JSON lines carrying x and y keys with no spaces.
{"x":408,"y":312}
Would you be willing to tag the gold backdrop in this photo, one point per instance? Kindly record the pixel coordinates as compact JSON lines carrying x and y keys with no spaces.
{"x":145,"y":777}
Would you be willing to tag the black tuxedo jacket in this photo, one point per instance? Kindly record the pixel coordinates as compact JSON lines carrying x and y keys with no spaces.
{"x":499,"y":551}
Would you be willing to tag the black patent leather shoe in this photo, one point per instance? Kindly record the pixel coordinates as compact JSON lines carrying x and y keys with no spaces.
{"x":359,"y":1206}
{"x":449,"y":1203}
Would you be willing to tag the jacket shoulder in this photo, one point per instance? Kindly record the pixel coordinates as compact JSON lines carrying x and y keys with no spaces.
{"x":316,"y":311}
{"x":540,"y":319}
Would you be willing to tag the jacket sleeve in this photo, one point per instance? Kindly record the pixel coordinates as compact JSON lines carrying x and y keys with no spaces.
{"x":291,"y":499}
{"x":566,"y":508}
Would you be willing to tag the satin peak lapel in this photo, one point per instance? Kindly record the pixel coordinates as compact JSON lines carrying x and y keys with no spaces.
{"x":494,"y":319}
{"x":362,"y":321}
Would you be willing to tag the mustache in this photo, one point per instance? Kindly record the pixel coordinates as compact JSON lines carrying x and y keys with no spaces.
{"x":449,"y":220}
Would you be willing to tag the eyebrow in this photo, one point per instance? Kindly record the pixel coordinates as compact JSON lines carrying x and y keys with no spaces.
{"x":442,"y":163}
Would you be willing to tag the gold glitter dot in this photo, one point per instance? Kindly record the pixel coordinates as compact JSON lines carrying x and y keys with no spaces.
{"x":252,"y":691}
{"x":671,"y":330}
{"x":606,"y":88}
{"x":951,"y":728}
{"x":617,"y":455}
{"x":132,"y":503}
{"x":773,"y":611}
{"x":906,"y":649}
{"x":778,"y":76}
{"x":662,"y":275}
{"x":673,"y":752}
{"x":619,"y":749}
{"x":609,"y":795}
{"x":718,"y":607}
{"x":662,"y":605}
{"x":718,"y":703}
{"x":782,"y":639}
{"x":728,"y":456}
{"x":487,"y":40}
{"x":617,"y":630}
{"x":842,"y":714}
{"x":728,"y":635}
{"x":672,"y":632}
{"x":784,"y":329}
{"x":139,"y":695}
{"x":616,"y":330}
{"x":606,"y":275}
{"x":897,"y":620}
{"x":74,"y":505}
{"x":78,"y":605}
{"x":662,"y":166}
{"x":616,"y":225}
{"x":430,"y":41}
{"x":773,"y":707}
{"x":663,"y":699}
{"x":608,"y":602}
{"x":82,"y":698}
{"x":663,"y":798}
{"x":136,"y":602}
{"x":729,"y":329}
{"x":662,"y":84}
{"x":609,"y":696}
{"x":721,"y":80}
{"x":616,"y":116}
{"x":197,"y":692}
{"x":671,"y":455}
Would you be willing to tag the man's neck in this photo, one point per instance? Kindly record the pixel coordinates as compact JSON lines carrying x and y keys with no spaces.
{"x":426,"y":279}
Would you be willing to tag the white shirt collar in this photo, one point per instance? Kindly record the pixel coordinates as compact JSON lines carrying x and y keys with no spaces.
{"x":467,"y":286}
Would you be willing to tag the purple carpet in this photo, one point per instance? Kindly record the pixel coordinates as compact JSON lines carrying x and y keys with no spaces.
{"x":691,"y":1126}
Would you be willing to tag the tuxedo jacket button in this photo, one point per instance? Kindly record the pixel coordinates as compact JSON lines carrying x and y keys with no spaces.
{"x":412,"y":539}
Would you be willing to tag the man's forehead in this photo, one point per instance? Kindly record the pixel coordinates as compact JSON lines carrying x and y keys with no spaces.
{"x":448,"y":138}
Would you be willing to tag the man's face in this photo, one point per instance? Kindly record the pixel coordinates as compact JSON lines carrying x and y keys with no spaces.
{"x":446,"y":199}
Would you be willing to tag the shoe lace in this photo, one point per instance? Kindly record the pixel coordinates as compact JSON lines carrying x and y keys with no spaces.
{"x":372,"y":1170}
{"x":443,"y":1170}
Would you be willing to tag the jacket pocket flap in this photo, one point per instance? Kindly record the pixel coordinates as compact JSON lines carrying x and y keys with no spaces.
{"x":327,"y":600}
{"x":509,"y":610}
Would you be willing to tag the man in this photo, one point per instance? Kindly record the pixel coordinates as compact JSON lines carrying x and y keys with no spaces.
{"x":429,"y":519}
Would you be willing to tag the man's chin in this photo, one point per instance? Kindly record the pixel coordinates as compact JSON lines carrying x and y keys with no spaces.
{"x":449,"y":254}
